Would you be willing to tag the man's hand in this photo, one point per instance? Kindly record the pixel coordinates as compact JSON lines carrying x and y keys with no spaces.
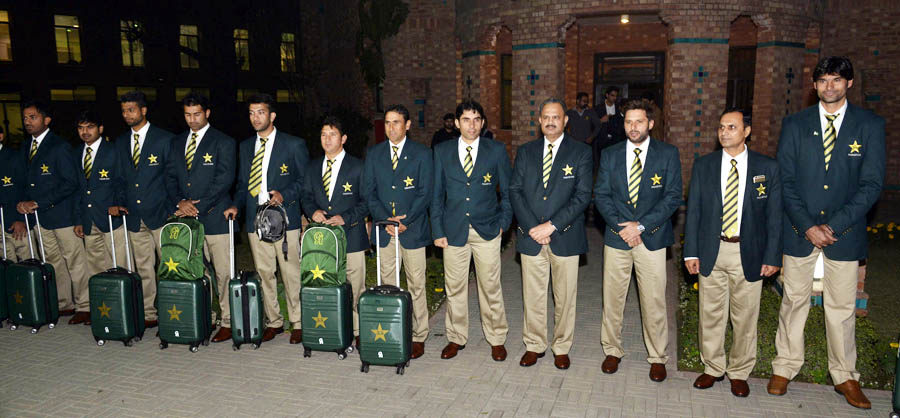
{"x":441,"y":242}
{"x":18,"y":230}
{"x":545,"y":241}
{"x":79,"y":231}
{"x":26,"y":207}
{"x":820,"y":236}
{"x":336,"y":220}
{"x":319,"y":216}
{"x":275,"y":198}
{"x":187,"y":208}
{"x":400,"y":228}
{"x":629,"y":232}
{"x":117,"y":210}
{"x":542,"y":232}
{"x":231,"y":213}
{"x":768,"y":271}
{"x":692,"y":266}
{"x":604,"y":119}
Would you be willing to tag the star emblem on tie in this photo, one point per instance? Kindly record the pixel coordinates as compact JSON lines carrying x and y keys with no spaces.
{"x":761,"y":189}
{"x":7,"y":180}
{"x":152,"y":158}
{"x":855,"y":146}
{"x":171,"y":264}
{"x":320,"y":320}
{"x":207,"y":158}
{"x":380,"y":333}
{"x":174,"y":314}
{"x":487,"y":178}
{"x":347,"y":186}
{"x":45,"y":168}
{"x":318,"y":273}
{"x":408,"y":181}
{"x":567,"y":170}
{"x":284,"y":168}
{"x":18,"y":297}
{"x":104,"y":310}
{"x":104,"y":174}
{"x":656,"y":179}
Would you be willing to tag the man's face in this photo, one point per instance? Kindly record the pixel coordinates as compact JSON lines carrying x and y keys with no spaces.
{"x":553,"y":120}
{"x":582,"y":102}
{"x":2,"y":137}
{"x":260,"y":117}
{"x":133,"y":114}
{"x":637,"y":126}
{"x":832,"y":88}
{"x":470,"y":124}
{"x":732,"y":132}
{"x":196,"y":117}
{"x":448,"y":124}
{"x":611,"y":97}
{"x":34,"y":121}
{"x":395,"y":126}
{"x":89,"y":132}
{"x":332,"y":140}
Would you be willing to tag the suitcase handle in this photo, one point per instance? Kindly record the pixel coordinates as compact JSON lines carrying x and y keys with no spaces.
{"x":112,"y":239}
{"x":3,"y":231}
{"x":378,"y":251}
{"x":40,"y":236}
{"x":231,"y":246}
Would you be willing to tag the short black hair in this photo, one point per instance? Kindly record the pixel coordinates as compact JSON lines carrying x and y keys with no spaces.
{"x":263,"y":98}
{"x":447,"y":116}
{"x":398,"y":108}
{"x":744,"y":115}
{"x":551,"y":101}
{"x":333,"y":122}
{"x":638,"y":104}
{"x":649,"y":95}
{"x":40,"y":106}
{"x":134,"y":96}
{"x":834,"y":65}
{"x":195,"y":99}
{"x":611,"y":89}
{"x":471,"y":105}
{"x":580,"y":95}
{"x":89,"y":116}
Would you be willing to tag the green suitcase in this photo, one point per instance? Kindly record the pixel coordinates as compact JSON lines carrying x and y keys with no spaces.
{"x":327,"y":318}
{"x":248,"y":321}
{"x":117,"y":300}
{"x":31,"y":293}
{"x":185,"y":315}
{"x":4,"y":263}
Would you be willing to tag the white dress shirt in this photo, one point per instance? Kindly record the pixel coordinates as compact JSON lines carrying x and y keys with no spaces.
{"x":462,"y":151}
{"x":837,"y":121}
{"x":629,"y":154}
{"x":200,"y":135}
{"x":742,"y":180}
{"x":556,"y":145}
{"x":39,"y":139}
{"x":263,"y":195}
{"x":94,"y":148}
{"x":610,"y":110}
{"x":142,"y":136}
{"x":335,"y":169}
{"x":399,"y":146}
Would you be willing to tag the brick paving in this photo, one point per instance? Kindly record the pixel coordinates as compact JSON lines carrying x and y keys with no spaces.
{"x":62,"y":373}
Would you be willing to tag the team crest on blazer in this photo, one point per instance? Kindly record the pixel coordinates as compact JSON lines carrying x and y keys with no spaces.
{"x":487,"y":179}
{"x":207,"y":159}
{"x":762,"y":191}
{"x":347,"y":189}
{"x":567,"y":172}
{"x":45,"y":170}
{"x":104,"y":175}
{"x":152,"y":160}
{"x":657,"y":181}
{"x":855,"y":149}
{"x":7,"y":181}
{"x":284,"y":170}
{"x":408,"y":183}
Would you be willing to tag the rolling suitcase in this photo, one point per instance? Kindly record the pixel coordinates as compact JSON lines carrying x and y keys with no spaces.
{"x":32,"y":298}
{"x":895,"y":395}
{"x":117,"y":299}
{"x":245,"y":293}
{"x":327,"y":318}
{"x":4,"y":264}
{"x":385,"y":319}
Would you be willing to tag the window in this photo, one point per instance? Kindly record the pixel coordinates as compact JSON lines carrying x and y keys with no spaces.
{"x":288,"y":60}
{"x":189,"y":40}
{"x":77,"y":94}
{"x":286,"y":96}
{"x":180,"y":92}
{"x":150,"y":92}
{"x":11,"y":116}
{"x":68,"y":40}
{"x":244,"y":94}
{"x":5,"y":40}
{"x":242,"y":48}
{"x":741,"y":72}
{"x":506,"y":91}
{"x":132,"y":34}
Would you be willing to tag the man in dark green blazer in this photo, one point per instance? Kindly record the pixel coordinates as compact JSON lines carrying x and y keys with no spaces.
{"x":549,"y":191}
{"x":397,"y":182}
{"x":732,"y":239}
{"x":200,"y":174}
{"x":12,"y":185}
{"x":638,"y":189}
{"x":331,"y":195}
{"x":832,"y":162}
{"x":271,"y":170}
{"x":468,"y":173}
{"x":52,"y":183}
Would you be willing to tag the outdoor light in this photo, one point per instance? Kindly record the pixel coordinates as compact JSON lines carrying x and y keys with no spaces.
{"x":624,"y":19}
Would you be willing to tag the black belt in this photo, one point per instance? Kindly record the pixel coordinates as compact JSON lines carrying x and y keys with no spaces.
{"x":732,"y":239}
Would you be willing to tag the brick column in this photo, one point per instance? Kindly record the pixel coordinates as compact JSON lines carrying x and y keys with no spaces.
{"x":539,"y":74}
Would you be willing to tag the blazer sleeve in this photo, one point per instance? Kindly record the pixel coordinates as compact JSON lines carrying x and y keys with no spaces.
{"x":369,"y":192}
{"x":581,"y":197}
{"x":308,"y":197}
{"x":788,"y":151}
{"x":603,"y":193}
{"x":871,"y":179}
{"x":223,"y":177}
{"x":172,"y":182}
{"x":301,"y":160}
{"x":504,"y":170}
{"x":241,"y":194}
{"x":423,"y":194}
{"x":672,"y":196}
{"x":524,"y":216}
{"x":437,"y":201}
{"x":774,"y":221}
{"x":692,"y":223}
{"x":68,"y":173}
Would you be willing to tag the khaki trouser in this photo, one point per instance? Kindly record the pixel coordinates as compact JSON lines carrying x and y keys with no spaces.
{"x":356,"y":275}
{"x":65,"y":252}
{"x":266,"y":257}
{"x":490,"y":293}
{"x":414,"y":265}
{"x":537,"y":272}
{"x":727,"y":290}
{"x":217,"y":249}
{"x":650,"y":268}
{"x":839,"y":297}
{"x":96,"y":248}
{"x":17,"y":249}
{"x":145,"y":249}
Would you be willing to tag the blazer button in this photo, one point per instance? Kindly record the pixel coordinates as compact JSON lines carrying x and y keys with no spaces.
{"x":628,"y":202}
{"x":822,"y":212}
{"x":189,"y":184}
{"x":467,"y":199}
{"x":329,"y":208}
{"x":88,"y":192}
{"x":545,"y":197}
{"x":89,"y":205}
{"x":139,"y":202}
{"x":394,"y":187}
{"x":467,"y":213}
{"x":136,"y":185}
{"x":467,"y":184}
{"x":32,"y":184}
{"x":826,"y":187}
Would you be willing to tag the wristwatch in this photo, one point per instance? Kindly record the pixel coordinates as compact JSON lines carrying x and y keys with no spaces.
{"x":641,"y":227}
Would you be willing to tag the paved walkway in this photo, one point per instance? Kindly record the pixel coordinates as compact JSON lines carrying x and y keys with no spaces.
{"x":62,"y":373}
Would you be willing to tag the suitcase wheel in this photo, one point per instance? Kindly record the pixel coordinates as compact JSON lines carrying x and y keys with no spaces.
{"x":194,"y":348}
{"x":401,"y":369}
{"x":128,"y":343}
{"x":51,"y":325}
{"x":364,"y":368}
{"x":307,"y":352}
{"x":342,"y":355}
{"x":349,"y":349}
{"x":100,"y":342}
{"x":12,"y":327}
{"x":205,"y":342}
{"x":34,"y":330}
{"x":894,"y":415}
{"x":254,"y":345}
{"x":235,"y":347}
{"x":136,"y":339}
{"x":163,"y":345}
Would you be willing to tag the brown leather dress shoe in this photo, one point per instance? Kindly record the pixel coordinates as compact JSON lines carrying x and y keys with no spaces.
{"x":296,"y":336}
{"x":530,"y":358}
{"x":561,"y":361}
{"x":67,"y":312}
{"x":451,"y":350}
{"x":611,"y":364}
{"x":270,"y":333}
{"x":498,"y":352}
{"x":657,"y":372}
{"x":224,"y":334}
{"x":81,"y":318}
{"x":854,"y":395}
{"x":418,"y":349}
{"x":356,"y":340}
{"x":777,"y":385}
{"x":706,"y":381}
{"x":151,"y":324}
{"x":739,"y":388}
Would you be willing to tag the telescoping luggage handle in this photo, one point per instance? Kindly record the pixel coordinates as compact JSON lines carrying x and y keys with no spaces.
{"x":231,"y":245}
{"x":37,"y":222}
{"x":112,"y":239}
{"x":395,"y":224}
{"x":3,"y":231}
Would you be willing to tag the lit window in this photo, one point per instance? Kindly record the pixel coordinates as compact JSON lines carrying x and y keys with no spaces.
{"x":189,"y":40}
{"x":150,"y":92}
{"x":77,"y":94}
{"x":288,"y":60}
{"x":181,"y":92}
{"x":244,"y":94}
{"x":5,"y":40}
{"x":132,"y":34}
{"x":68,"y":40}
{"x":286,"y":96}
{"x":242,"y":48}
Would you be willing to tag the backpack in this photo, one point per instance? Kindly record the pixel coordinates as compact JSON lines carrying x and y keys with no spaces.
{"x":323,"y":256}
{"x":181,"y":246}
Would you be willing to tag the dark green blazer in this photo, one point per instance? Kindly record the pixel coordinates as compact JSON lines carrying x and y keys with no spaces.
{"x":562,"y":203}
{"x":102,"y":190}
{"x":345,"y":199}
{"x":657,"y":199}
{"x":52,"y":181}
{"x":840,"y":197}
{"x":760,"y":228}
{"x":145,"y":192}
{"x":12,"y":184}
{"x":481,"y":200}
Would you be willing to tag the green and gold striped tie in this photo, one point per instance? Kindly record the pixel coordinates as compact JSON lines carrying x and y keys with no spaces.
{"x":191,"y":149}
{"x":729,"y":205}
{"x":136,"y":152}
{"x":467,"y":165}
{"x":634,"y":178}
{"x":326,"y":178}
{"x":256,"y":169}
{"x":548,"y":164}
{"x":33,"y":151}
{"x":88,"y":163}
{"x":829,"y":138}
{"x":395,"y":159}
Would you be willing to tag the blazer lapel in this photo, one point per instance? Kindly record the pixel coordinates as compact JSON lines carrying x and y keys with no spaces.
{"x":646,"y":181}
{"x":480,"y":161}
{"x":848,"y":129}
{"x":716,"y":173}
{"x":747,"y":208}
{"x":338,"y":181}
{"x":274,"y":169}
